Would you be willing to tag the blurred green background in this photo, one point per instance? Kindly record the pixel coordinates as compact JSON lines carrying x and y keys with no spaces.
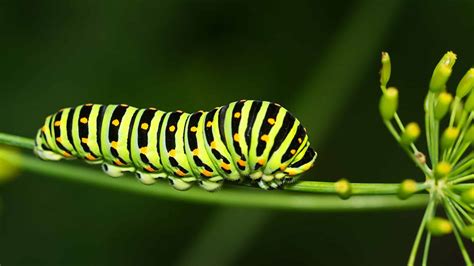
{"x":318,"y":59}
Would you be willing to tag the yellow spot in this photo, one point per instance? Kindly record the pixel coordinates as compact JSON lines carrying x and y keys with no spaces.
{"x":300,"y":140}
{"x":194,"y":129}
{"x":206,"y":173}
{"x":195,"y":152}
{"x":291,"y":172}
{"x":261,"y":161}
{"x":90,"y":157}
{"x":172,"y":153}
{"x":209,"y":124}
{"x":143,"y":150}
{"x":66,"y":154}
{"x":293,"y":151}
{"x":236,"y":137}
{"x":58,"y":139}
{"x":180,"y":173}
{"x":172,"y":128}
{"x":83,"y":120}
{"x":84,"y":140}
{"x":124,"y":105}
{"x":116,"y":122}
{"x":57,"y":123}
{"x":213,"y":144}
{"x":237,"y":115}
{"x":271,"y":121}
{"x":282,"y":167}
{"x":114,"y":144}
{"x":225,"y":166}
{"x":179,"y":111}
{"x":88,"y":104}
{"x":241,"y":162}
{"x":149,"y":168}
{"x":43,"y":129}
{"x":264,"y":138}
{"x":152,"y":108}
{"x":144,"y":126}
{"x":118,"y":162}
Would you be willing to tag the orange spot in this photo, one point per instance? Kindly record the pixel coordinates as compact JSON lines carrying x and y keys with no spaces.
{"x":261,"y":161}
{"x":144,"y":126}
{"x":172,"y":153}
{"x":300,"y":140}
{"x":66,"y":154}
{"x":90,"y":157}
{"x":241,"y":162}
{"x":213,"y":144}
{"x":180,"y":173}
{"x":271,"y":121}
{"x":58,"y":139}
{"x":143,"y":150}
{"x":195,"y":152}
{"x":225,"y":166}
{"x":194,"y":129}
{"x":264,"y":138}
{"x":282,"y":167}
{"x":114,"y":144}
{"x":206,"y":173}
{"x":236,"y":137}
{"x":149,"y":168}
{"x":43,"y":129}
{"x":118,"y":162}
{"x":84,"y":120}
{"x":293,"y":151}
{"x":57,"y":123}
{"x":116,"y":122}
{"x":237,"y":115}
{"x":172,"y":128}
{"x":84,"y":140}
{"x":209,"y":124}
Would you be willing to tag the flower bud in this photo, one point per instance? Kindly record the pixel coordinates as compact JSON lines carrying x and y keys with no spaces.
{"x":442,"y":105}
{"x":439,"y":226}
{"x":468,"y":231}
{"x":450,"y":135}
{"x":385,"y":70}
{"x":468,"y":196}
{"x":343,"y":188}
{"x":442,"y":72}
{"x":407,"y":188}
{"x":389,"y":103}
{"x":411,"y":133}
{"x":442,"y":169}
{"x":9,"y":163}
{"x":466,"y":84}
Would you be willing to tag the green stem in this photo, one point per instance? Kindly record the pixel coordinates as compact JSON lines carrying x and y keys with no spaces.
{"x":453,"y":217}
{"x":414,"y":250}
{"x":379,"y":198}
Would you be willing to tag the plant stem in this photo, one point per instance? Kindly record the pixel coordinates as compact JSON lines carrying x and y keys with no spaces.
{"x":414,"y":250}
{"x":239,"y":196}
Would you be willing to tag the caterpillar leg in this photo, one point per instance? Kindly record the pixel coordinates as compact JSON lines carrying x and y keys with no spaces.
{"x":179,"y":183}
{"x":113,"y":170}
{"x":211,"y":185}
{"x":149,"y":178}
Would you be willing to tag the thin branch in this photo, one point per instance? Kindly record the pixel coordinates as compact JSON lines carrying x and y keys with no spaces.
{"x":238,"y":196}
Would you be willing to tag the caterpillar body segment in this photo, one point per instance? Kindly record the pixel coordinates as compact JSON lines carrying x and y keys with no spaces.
{"x":250,"y":141}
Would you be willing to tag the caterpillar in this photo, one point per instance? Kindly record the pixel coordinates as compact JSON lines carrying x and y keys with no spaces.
{"x":255,"y":142}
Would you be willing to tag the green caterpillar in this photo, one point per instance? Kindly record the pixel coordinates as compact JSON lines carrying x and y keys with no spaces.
{"x":248,"y":141}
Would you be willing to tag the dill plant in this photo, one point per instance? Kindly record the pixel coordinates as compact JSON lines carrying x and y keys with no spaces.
{"x":449,"y":169}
